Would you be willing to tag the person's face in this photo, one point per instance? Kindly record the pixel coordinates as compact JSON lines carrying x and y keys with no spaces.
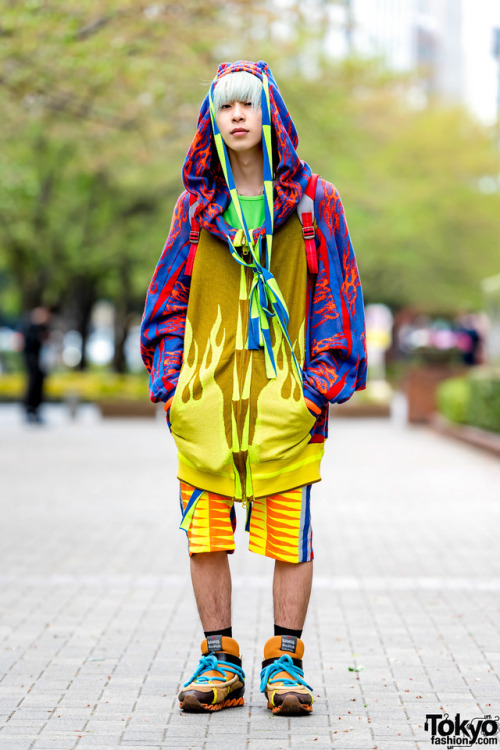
{"x":240,"y":125}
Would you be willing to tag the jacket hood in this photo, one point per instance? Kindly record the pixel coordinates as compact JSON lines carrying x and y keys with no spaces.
{"x":202,"y":173}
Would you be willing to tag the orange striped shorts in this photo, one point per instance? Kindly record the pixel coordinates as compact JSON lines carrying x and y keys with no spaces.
{"x":279,"y":525}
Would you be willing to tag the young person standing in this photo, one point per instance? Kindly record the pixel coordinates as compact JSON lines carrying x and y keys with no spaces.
{"x":253,"y":324}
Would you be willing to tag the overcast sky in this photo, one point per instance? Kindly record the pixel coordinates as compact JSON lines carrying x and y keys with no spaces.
{"x":480,"y":17}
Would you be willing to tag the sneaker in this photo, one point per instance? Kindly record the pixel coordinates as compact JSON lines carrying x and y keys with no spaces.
{"x":282,"y":677}
{"x":219,"y":680}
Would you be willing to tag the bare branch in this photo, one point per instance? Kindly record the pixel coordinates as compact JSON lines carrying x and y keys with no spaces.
{"x":79,"y":110}
{"x":92,"y":28}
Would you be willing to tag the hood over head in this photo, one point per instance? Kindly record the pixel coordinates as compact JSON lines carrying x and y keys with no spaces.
{"x":208,"y":177}
{"x":203,"y":175}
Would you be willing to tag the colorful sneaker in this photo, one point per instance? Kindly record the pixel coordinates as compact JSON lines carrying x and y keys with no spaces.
{"x":219,"y":681}
{"x":282,"y":678}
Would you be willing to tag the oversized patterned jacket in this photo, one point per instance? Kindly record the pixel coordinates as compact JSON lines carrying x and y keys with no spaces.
{"x":238,"y":414}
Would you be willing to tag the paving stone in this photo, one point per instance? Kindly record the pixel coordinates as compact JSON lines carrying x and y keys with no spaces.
{"x":12,"y":743}
{"x":406,"y":585}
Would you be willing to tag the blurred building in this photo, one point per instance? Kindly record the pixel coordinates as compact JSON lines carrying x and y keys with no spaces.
{"x":451,"y":42}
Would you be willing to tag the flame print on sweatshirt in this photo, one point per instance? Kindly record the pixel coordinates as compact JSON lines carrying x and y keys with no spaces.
{"x":329,"y":209}
{"x":351,"y":279}
{"x":197,"y":410}
{"x":234,"y":429}
{"x":282,"y":421}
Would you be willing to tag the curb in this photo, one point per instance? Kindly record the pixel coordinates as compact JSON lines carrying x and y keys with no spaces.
{"x":489,"y":441}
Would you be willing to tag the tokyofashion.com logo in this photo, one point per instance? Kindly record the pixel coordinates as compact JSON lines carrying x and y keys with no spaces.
{"x":460,"y":732}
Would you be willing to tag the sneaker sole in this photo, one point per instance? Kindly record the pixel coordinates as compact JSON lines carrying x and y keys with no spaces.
{"x":291,"y":706}
{"x":191,"y":704}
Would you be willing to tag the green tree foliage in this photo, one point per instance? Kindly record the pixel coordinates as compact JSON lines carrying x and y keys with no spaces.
{"x":409,"y":177}
{"x":99,"y":105}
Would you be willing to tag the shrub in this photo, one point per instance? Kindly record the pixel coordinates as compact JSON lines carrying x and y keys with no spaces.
{"x":86,"y":386}
{"x":483,"y":407}
{"x":472,"y":400}
{"x":453,"y":398}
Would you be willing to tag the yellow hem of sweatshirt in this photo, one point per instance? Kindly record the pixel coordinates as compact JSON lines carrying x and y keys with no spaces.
{"x":268,"y":479}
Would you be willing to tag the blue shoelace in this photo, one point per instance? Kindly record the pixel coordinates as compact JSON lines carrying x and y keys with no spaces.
{"x":211,"y":663}
{"x":283,"y":664}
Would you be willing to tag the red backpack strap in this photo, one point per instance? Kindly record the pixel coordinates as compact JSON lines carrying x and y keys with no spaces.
{"x":305,"y":211}
{"x":194,"y":235}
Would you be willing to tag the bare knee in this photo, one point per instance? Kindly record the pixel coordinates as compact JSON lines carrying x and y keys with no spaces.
{"x":209,"y":558}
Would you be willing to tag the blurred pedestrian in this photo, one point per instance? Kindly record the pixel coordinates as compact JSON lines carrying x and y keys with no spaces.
{"x":248,"y":335}
{"x":469,"y":339}
{"x":36,"y":333}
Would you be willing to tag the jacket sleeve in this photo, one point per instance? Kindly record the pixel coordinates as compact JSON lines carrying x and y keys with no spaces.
{"x":336,"y":363}
{"x":164,"y":319}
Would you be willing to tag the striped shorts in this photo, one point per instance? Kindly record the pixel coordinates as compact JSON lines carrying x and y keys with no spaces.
{"x":279,"y":525}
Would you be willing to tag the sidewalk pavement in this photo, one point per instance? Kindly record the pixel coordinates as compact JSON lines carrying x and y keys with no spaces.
{"x":98,"y":628}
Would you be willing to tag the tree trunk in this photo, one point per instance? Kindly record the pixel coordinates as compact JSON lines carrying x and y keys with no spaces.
{"x":122,"y":318}
{"x":121,"y":326}
{"x":81,"y":301}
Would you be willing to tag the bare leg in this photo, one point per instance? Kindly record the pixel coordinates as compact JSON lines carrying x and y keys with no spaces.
{"x":211,"y":579}
{"x":291,"y":591}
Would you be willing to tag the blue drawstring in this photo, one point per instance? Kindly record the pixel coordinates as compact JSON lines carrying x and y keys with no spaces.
{"x":211,"y":663}
{"x":249,"y":516}
{"x":266,"y":302}
{"x":283,"y":664}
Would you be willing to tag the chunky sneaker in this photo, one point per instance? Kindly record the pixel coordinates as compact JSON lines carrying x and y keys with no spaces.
{"x":282,"y":678}
{"x":219,"y":681}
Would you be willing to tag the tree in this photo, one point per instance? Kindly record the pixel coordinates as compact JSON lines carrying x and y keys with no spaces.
{"x":106,"y":99}
{"x":410,"y":179}
{"x":106,"y":112}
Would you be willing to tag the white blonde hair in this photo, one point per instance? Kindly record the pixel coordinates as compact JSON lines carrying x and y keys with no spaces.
{"x":238,"y":87}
